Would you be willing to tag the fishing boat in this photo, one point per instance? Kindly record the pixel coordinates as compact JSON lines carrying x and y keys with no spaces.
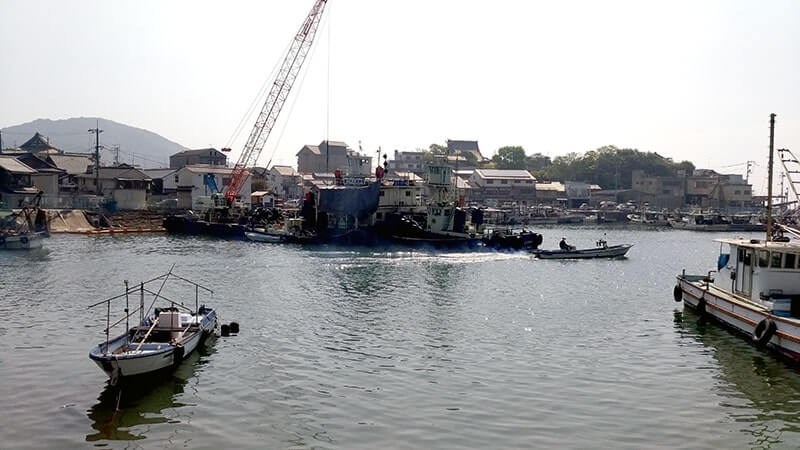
{"x":163,"y":336}
{"x":20,"y":241}
{"x":24,"y":229}
{"x":267,"y":236}
{"x":717,"y":222}
{"x":601,"y":251}
{"x":756,"y":289}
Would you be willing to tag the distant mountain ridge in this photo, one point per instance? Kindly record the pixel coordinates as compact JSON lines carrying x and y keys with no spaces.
{"x":142,"y":147}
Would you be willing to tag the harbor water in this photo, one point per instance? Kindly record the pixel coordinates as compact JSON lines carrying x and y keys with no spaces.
{"x":362,"y":348}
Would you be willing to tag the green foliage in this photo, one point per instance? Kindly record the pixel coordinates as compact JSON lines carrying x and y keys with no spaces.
{"x":610,"y":167}
{"x":510,"y":158}
{"x":537,"y":161}
{"x":437,"y":149}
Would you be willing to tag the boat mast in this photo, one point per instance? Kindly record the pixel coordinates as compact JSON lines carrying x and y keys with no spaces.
{"x":769,"y":176}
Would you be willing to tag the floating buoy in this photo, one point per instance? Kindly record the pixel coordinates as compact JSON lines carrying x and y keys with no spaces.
{"x":234,"y":327}
{"x":225,"y":329}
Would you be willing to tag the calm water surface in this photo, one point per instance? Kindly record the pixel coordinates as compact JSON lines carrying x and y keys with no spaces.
{"x":345,"y":348}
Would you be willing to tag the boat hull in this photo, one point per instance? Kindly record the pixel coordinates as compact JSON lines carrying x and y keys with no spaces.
{"x":615,"y":251}
{"x":153,"y":357}
{"x":27,"y":241}
{"x":739,"y":314}
{"x":257,"y":236}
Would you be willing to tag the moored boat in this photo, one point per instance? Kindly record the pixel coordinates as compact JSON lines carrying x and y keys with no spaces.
{"x":756,"y":290}
{"x":267,"y":236}
{"x":161,"y":340}
{"x":20,"y":241}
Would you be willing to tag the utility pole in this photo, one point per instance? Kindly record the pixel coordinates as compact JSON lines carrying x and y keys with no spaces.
{"x":748,"y":172}
{"x":769,"y":177}
{"x":96,"y":131}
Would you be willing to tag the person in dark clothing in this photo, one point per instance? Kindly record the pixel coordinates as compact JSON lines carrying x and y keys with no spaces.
{"x":564,"y":246}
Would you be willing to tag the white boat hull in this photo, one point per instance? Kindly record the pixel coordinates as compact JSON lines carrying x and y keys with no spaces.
{"x":600,"y":252}
{"x":151,"y":357}
{"x":740,"y":314}
{"x":265,"y":237}
{"x":27,"y":241}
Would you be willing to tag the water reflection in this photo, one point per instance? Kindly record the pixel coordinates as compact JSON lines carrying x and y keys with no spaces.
{"x":762,"y":389}
{"x":142,"y":401}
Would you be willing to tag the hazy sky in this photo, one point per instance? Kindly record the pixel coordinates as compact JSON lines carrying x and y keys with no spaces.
{"x":688,"y":79}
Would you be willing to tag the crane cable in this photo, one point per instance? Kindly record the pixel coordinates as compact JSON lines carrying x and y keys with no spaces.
{"x":324,"y":22}
{"x":258,"y":99}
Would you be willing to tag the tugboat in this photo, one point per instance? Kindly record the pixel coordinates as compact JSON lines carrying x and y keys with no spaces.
{"x":445,"y":222}
{"x":756,"y":289}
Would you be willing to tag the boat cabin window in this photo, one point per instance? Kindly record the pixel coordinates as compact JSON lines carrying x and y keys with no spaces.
{"x":744,"y":257}
{"x":776,"y":260}
{"x":763,"y":258}
{"x":789,"y":261}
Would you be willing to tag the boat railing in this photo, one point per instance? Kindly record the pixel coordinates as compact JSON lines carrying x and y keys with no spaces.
{"x":143,"y":313}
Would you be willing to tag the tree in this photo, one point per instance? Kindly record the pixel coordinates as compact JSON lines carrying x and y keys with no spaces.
{"x":509,"y":158}
{"x":537,"y":161}
{"x":437,"y":149}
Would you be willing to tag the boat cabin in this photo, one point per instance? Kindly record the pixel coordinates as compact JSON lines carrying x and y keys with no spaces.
{"x":765,"y":273}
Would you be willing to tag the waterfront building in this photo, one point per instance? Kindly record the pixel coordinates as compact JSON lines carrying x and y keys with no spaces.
{"x":286,"y":182}
{"x":704,"y":188}
{"x":207,"y":156}
{"x":410,"y":161}
{"x":329,"y":156}
{"x":659,"y":191}
{"x":47,"y":175}
{"x":164,"y":181}
{"x":194,"y":185}
{"x":707,"y":188}
{"x":15,"y":182}
{"x":128,"y":186}
{"x":551,"y":193}
{"x":501,"y":186}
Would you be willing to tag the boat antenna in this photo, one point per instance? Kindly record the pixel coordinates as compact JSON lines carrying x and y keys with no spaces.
{"x":769,"y":176}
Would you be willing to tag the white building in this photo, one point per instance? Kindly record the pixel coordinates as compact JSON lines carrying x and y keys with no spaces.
{"x":195,"y":183}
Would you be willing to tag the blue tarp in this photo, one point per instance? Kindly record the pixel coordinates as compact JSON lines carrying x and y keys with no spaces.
{"x":353,"y":201}
{"x":723,"y":260}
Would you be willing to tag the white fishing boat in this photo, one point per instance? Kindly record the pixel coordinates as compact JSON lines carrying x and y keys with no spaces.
{"x":24,"y":229}
{"x":614,"y":251}
{"x":267,"y":236}
{"x":161,"y":339}
{"x":20,"y":241}
{"x":756,"y":289}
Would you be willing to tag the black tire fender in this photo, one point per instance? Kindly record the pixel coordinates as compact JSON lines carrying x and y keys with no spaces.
{"x":677,"y":293}
{"x":764,"y":332}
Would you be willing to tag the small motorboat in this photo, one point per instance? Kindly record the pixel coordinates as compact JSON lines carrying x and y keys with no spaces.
{"x":24,"y":229}
{"x":267,"y":236}
{"x":601,"y":251}
{"x":20,"y":241}
{"x":161,"y":340}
